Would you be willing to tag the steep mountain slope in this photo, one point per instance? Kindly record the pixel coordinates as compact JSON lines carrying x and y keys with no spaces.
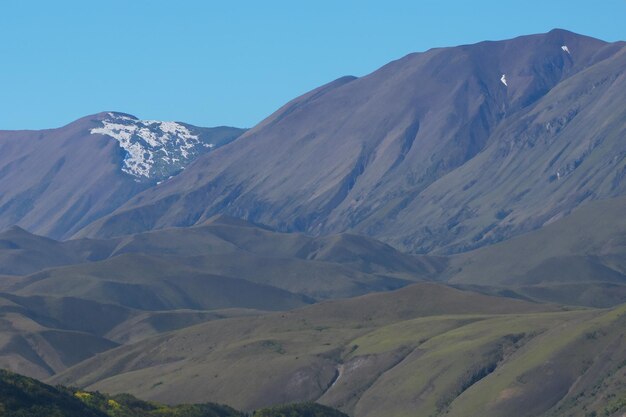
{"x":421,"y":350}
{"x":566,"y":149}
{"x":446,"y":150}
{"x":55,"y":181}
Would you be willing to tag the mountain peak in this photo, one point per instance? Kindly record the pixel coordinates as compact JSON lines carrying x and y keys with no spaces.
{"x":155,"y":150}
{"x":559,"y":31}
{"x":55,"y":181}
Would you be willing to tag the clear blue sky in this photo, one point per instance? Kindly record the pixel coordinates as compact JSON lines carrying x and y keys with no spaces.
{"x":234,"y":62}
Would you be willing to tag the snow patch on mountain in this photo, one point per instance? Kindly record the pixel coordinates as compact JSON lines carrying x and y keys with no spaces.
{"x":503,"y":80}
{"x":566,"y":49}
{"x":154,"y":149}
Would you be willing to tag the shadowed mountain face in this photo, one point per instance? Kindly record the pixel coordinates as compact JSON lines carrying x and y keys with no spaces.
{"x":54,"y":182}
{"x":167,"y":269}
{"x":444,"y":150}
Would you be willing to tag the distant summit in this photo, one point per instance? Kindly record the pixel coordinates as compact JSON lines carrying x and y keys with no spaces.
{"x":156,"y":150}
{"x":53,"y":182}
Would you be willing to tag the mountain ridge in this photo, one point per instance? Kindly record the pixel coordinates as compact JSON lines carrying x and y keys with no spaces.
{"x":377,"y":154}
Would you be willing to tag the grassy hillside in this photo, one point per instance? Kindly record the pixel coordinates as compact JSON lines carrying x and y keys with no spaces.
{"x":404,"y":361}
{"x":152,"y":283}
{"x":224,"y":253}
{"x":43,"y":335}
{"x":579,"y":259}
{"x":332,"y":352}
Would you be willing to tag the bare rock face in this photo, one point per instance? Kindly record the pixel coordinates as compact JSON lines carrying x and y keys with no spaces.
{"x":445,"y":150}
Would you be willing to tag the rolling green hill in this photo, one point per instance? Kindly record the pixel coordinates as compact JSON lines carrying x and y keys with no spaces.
{"x":378,"y":355}
{"x":335,"y":352}
{"x":579,"y":259}
{"x":223,"y":253}
{"x":425,"y":350}
{"x":43,"y":335}
{"x":123,"y":290}
{"x":83,"y":297}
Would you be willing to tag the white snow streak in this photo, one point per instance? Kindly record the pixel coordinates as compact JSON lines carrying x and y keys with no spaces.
{"x":566,"y":49}
{"x":503,"y":79}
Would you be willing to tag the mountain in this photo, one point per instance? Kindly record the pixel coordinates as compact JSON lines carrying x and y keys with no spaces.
{"x":425,"y":349}
{"x":54,"y":182}
{"x":441,"y":151}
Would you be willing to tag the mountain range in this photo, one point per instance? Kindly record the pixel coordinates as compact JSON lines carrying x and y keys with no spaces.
{"x":444,"y":236}
{"x":430,"y":153}
{"x":442,"y":151}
